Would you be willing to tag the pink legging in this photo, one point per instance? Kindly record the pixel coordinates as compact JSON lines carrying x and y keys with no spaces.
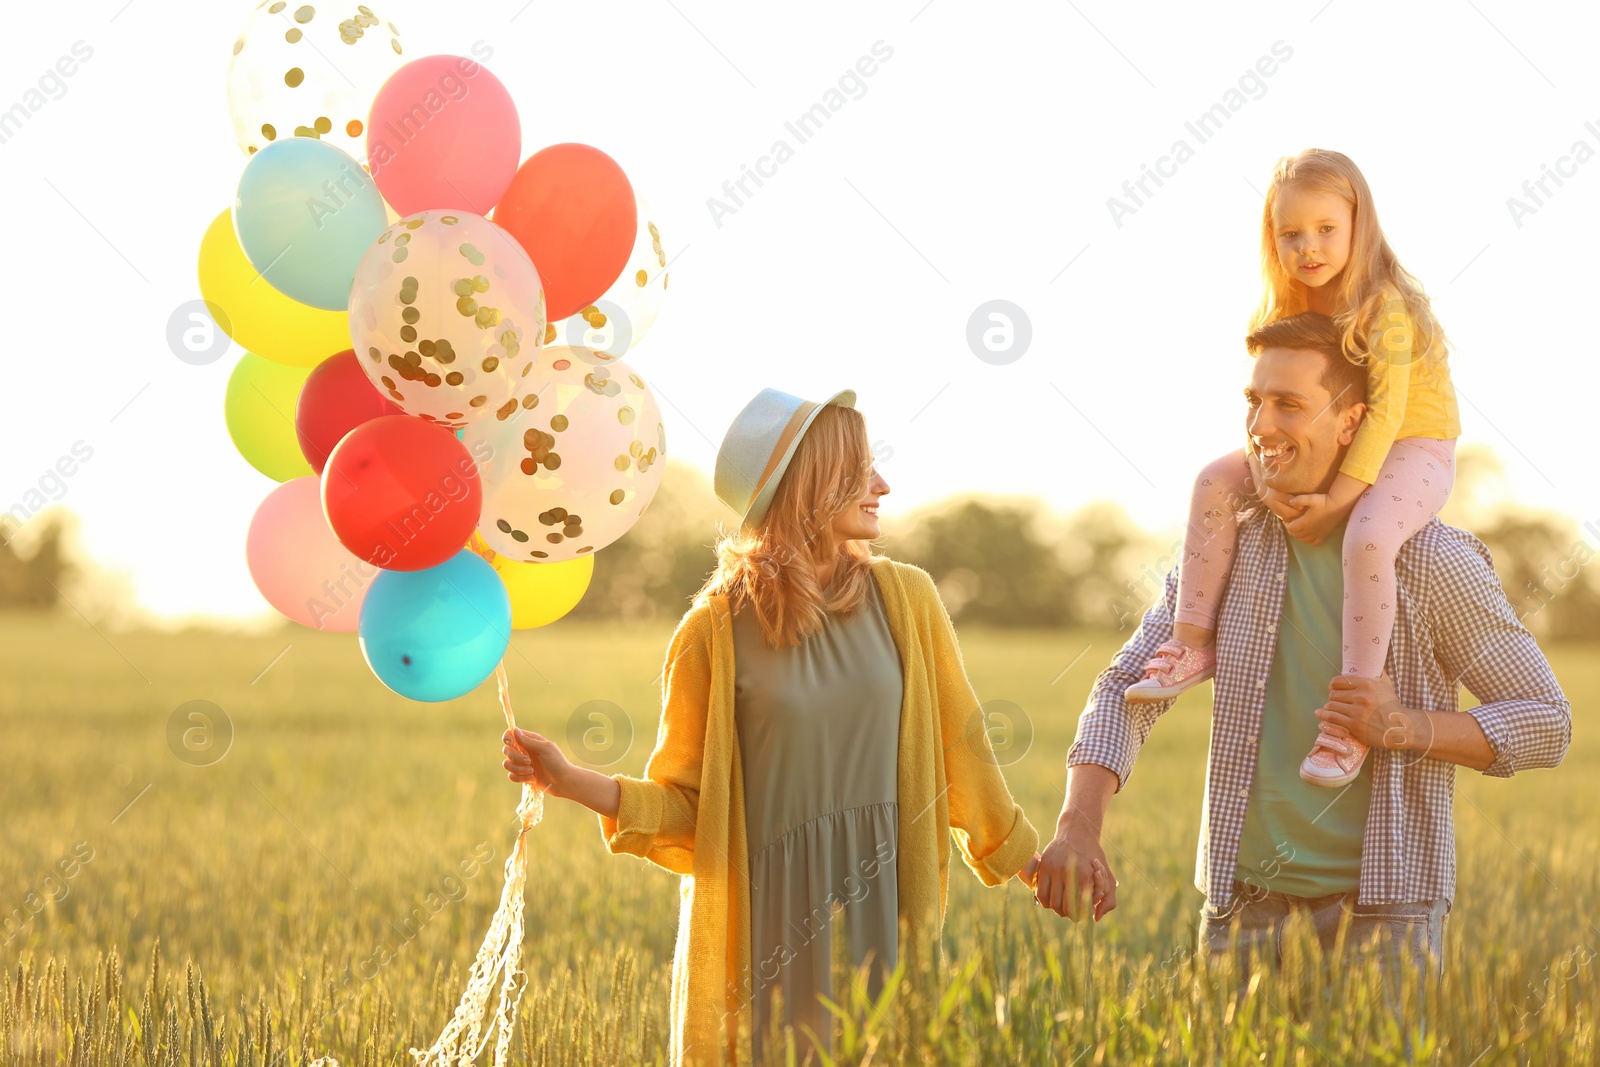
{"x":1412,"y":486}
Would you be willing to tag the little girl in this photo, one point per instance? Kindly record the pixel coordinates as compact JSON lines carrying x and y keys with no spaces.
{"x":1322,"y":251}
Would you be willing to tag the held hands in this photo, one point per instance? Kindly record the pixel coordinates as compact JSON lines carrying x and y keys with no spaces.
{"x":1072,"y":877}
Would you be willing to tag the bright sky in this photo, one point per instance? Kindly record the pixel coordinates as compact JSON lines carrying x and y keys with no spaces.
{"x":973,"y":164}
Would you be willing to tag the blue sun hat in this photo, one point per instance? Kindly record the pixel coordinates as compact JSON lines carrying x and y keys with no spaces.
{"x":759,"y":445}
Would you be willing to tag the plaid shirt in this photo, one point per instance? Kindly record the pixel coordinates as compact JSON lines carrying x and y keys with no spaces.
{"x":1453,"y":626}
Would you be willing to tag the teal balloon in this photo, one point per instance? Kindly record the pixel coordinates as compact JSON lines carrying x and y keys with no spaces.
{"x":435,"y":634}
{"x":305,"y":214}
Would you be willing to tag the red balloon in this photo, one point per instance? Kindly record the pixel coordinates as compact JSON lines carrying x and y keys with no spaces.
{"x":402,"y":493}
{"x":573,"y":211}
{"x":335,"y":399}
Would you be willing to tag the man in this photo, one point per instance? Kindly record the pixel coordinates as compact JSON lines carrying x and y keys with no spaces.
{"x":1382,"y":850}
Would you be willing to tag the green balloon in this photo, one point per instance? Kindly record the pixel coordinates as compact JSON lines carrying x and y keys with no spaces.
{"x":259,"y":409}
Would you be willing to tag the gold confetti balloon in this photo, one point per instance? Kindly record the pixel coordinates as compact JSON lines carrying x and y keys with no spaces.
{"x":577,"y":464}
{"x":446,"y":312}
{"x":618,"y":321}
{"x":309,"y":70}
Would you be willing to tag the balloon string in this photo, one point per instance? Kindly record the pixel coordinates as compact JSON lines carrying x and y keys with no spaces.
{"x":463,"y":1037}
{"x":530,"y":809}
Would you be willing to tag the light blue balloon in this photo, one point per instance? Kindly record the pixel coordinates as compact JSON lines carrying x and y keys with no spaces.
{"x":436,"y":633}
{"x":304,"y":215}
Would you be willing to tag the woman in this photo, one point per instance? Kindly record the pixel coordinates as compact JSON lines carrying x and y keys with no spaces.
{"x":819,"y":743}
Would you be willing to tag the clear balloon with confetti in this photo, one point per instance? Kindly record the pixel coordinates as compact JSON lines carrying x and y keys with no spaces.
{"x":446,"y":313}
{"x":576,"y":465}
{"x":308,"y":70}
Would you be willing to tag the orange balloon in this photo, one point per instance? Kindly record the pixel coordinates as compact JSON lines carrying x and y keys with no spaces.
{"x":572,"y":209}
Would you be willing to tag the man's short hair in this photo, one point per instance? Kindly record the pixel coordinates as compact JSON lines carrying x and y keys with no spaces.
{"x":1311,"y":331}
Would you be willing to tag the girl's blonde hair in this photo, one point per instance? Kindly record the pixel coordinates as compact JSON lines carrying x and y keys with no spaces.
{"x":1372,"y":284}
{"x":773,"y":568}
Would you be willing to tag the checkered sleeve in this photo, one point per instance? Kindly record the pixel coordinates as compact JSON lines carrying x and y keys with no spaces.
{"x":1482,"y":644}
{"x":1111,"y":729}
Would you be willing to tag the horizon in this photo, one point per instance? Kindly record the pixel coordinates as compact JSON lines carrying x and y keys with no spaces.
{"x":1479,"y":495}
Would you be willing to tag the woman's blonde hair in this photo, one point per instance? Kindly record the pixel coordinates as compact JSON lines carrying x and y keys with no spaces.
{"x":773,"y":568}
{"x":1372,"y":284}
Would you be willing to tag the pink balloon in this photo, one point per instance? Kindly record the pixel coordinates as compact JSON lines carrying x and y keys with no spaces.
{"x":300,"y":566}
{"x":443,"y":133}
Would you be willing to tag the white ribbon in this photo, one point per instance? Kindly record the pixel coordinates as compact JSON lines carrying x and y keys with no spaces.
{"x":464,"y":1037}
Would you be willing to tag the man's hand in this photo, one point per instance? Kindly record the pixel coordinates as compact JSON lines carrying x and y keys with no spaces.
{"x":1073,"y":872}
{"x":1368,"y":710}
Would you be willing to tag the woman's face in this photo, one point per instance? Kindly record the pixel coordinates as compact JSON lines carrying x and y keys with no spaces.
{"x":860,"y":521}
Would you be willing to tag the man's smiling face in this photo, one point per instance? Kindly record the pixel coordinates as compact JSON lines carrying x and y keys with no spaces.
{"x":1297,"y":432}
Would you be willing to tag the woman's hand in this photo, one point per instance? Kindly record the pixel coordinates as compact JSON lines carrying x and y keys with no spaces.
{"x":537,"y":761}
{"x":532,"y":759}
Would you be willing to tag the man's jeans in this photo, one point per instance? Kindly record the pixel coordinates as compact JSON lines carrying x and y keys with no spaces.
{"x":1403,"y":936}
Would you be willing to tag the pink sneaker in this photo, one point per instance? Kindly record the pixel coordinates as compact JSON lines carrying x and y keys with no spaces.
{"x":1333,"y":761}
{"x":1176,"y":667}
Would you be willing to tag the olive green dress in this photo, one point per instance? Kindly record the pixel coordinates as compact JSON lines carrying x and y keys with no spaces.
{"x":819,"y":731}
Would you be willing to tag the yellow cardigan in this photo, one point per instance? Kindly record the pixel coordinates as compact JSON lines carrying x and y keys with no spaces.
{"x":687,"y":813}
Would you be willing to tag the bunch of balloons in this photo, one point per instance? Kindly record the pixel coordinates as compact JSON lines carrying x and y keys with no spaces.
{"x":433,"y":334}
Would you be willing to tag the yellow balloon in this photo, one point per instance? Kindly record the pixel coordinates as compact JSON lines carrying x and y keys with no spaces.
{"x":540,"y":593}
{"x":259,"y":407}
{"x":258,"y":317}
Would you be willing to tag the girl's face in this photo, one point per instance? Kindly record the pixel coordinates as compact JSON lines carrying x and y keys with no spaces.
{"x":860,"y":520}
{"x":1313,"y":234}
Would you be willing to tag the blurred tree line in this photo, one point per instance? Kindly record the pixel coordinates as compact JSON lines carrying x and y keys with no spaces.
{"x":1541,"y":557}
{"x":33,"y":571}
{"x":1013,"y":562}
{"x":1001,"y":562}
{"x":1009,"y":563}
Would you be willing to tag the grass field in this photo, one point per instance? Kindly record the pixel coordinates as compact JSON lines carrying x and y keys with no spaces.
{"x":321,"y":888}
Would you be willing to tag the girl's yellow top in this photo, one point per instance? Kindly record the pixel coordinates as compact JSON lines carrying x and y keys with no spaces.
{"x":1409,"y":394}
{"x":687,"y":813}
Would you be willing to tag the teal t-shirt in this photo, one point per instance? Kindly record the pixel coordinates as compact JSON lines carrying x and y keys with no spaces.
{"x":1302,"y":839}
